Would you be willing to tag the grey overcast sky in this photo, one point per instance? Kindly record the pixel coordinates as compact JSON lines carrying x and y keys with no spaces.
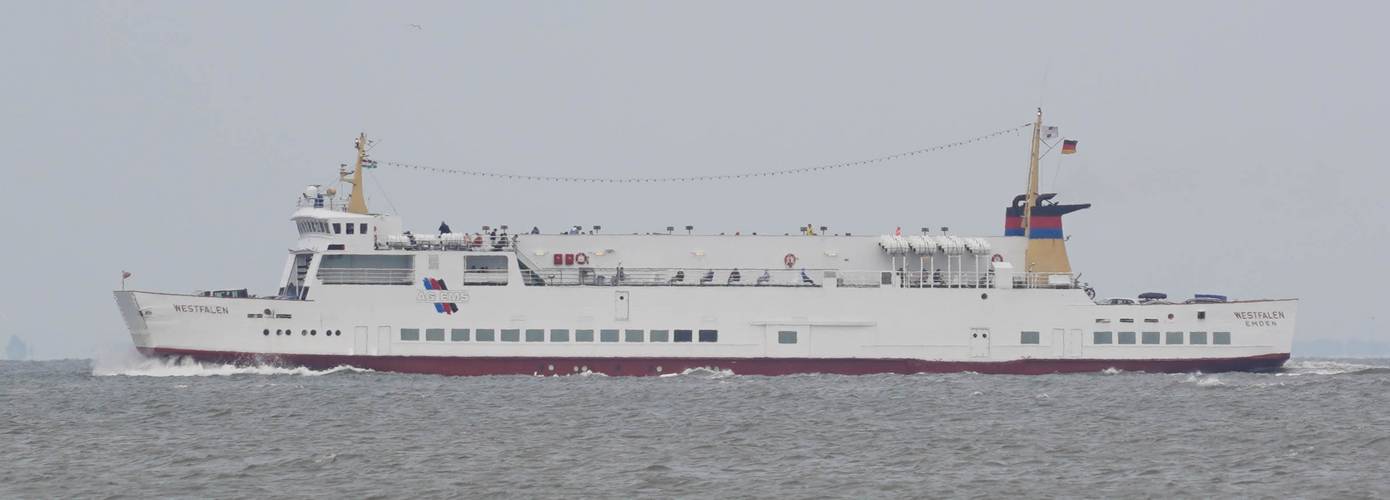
{"x":1228,"y":147}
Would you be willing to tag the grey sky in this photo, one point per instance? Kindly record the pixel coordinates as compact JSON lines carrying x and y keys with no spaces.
{"x":1227,"y":147}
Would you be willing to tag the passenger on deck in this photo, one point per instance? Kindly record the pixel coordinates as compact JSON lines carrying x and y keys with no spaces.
{"x":708,"y":277}
{"x":762,"y":280}
{"x":618,"y":277}
{"x":535,"y":230}
{"x":679,"y":277}
{"x":936,"y":277}
{"x":806,"y":279}
{"x":444,"y":228}
{"x":734,"y":276}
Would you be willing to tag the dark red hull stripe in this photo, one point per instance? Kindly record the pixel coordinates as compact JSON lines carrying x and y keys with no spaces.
{"x":445,"y":365}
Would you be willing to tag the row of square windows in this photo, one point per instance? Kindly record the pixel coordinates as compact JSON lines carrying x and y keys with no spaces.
{"x":1151,"y":338}
{"x":557,"y":335}
{"x":314,"y":226}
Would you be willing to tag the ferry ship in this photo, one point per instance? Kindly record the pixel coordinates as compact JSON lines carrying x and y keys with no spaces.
{"x":358,"y":289}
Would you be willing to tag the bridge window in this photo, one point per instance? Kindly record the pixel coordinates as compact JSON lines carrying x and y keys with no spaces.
{"x":1173,"y":338}
{"x":486,"y":335}
{"x":350,"y":228}
{"x":789,"y":337}
{"x":1126,"y":338}
{"x":434,"y":334}
{"x":458,"y":335}
{"x":608,"y":335}
{"x":709,"y":335}
{"x":410,"y":334}
{"x":1221,"y":338}
{"x":1150,"y":338}
{"x":661,"y":335}
{"x":337,"y":228}
{"x":535,"y":335}
{"x":1197,"y":338}
{"x":1029,"y":338}
{"x":632,"y":336}
{"x":363,"y":228}
{"x":511,"y":335}
{"x":684,"y":336}
{"x":1102,"y":338}
{"x":561,"y":335}
{"x":583,"y":335}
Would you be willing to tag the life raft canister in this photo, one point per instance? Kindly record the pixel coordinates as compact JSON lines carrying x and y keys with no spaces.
{"x":789,"y":260}
{"x":581,"y":259}
{"x":997,"y":258}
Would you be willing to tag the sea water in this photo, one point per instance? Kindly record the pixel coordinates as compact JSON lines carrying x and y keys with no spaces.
{"x":133,"y":427}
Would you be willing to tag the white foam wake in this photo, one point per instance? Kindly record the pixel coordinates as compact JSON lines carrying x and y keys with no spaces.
{"x":1322,"y":367}
{"x":140,"y":366}
{"x":704,"y":372}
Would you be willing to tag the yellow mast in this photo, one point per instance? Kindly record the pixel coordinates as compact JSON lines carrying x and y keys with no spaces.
{"x":1032,"y":193}
{"x":357,"y":202}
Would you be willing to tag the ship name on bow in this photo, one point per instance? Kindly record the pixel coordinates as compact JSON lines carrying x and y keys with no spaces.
{"x":1260,"y":318}
{"x":200,"y":309}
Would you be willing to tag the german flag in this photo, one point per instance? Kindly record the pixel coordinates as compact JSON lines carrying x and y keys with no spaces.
{"x":1068,"y":147}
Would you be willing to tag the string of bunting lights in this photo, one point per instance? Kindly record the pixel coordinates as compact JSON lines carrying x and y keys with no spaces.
{"x":706,"y":178}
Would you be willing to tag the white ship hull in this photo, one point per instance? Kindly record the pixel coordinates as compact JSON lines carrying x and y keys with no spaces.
{"x":837,"y":330}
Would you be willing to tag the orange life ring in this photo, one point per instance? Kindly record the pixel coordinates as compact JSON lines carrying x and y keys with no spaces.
{"x":581,"y":259}
{"x":789,"y":260}
{"x":997,"y":258}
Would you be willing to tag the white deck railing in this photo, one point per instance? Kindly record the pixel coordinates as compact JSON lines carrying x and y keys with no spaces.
{"x":365,"y":276}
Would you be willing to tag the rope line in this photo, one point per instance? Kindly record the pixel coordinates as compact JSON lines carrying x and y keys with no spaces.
{"x":706,"y":178}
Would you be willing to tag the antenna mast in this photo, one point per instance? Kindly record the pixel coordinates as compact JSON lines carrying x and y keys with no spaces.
{"x":357,"y":202}
{"x":1032,"y":193}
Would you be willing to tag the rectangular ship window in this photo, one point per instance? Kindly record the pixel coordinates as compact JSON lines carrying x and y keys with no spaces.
{"x":347,"y":269}
{"x":337,"y":228}
{"x":1173,"y":338}
{"x":1150,"y":338}
{"x":1198,"y":338}
{"x":364,"y":227}
{"x":661,"y":336}
{"x":1221,"y":338}
{"x":434,"y":334}
{"x":458,"y":335}
{"x":351,"y":228}
{"x":683,"y":336}
{"x":1102,"y":320}
{"x":1126,"y":338}
{"x":486,"y":335}
{"x":1029,"y":338}
{"x":632,"y":336}
{"x":511,"y":335}
{"x":560,"y":335}
{"x":410,"y":334}
{"x":709,"y":335}
{"x":786,"y":337}
{"x":1102,"y":338}
{"x":608,"y":335}
{"x":535,"y":335}
{"x":583,"y":335}
{"x":1126,"y":320}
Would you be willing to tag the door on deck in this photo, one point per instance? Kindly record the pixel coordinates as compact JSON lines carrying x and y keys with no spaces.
{"x":979,"y":342}
{"x":620,"y":305}
{"x":1059,"y":342}
{"x":1073,"y":348}
{"x":359,"y":340}
{"x":383,"y":340}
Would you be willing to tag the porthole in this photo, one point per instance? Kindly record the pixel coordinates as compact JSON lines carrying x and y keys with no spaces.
{"x":304,"y":333}
{"x":266,"y":332}
{"x":313,"y":333}
{"x":984,"y":296}
{"x":338,"y":333}
{"x":279,"y":332}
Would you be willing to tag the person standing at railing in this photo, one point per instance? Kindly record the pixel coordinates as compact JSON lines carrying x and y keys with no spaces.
{"x":444,"y":228}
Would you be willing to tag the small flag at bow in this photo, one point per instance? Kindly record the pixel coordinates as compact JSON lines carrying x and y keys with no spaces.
{"x":1068,"y":147}
{"x":125,"y":274}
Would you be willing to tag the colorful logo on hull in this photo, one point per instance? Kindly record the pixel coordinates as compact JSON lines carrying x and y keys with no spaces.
{"x":440,"y":307}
